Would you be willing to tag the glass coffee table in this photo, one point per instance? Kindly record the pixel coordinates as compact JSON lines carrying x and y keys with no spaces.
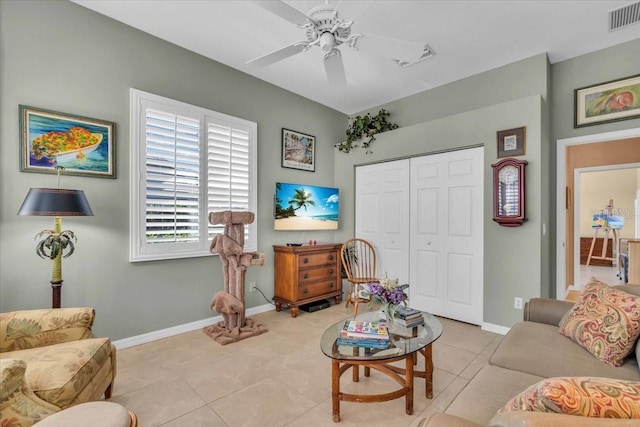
{"x":406,"y":344}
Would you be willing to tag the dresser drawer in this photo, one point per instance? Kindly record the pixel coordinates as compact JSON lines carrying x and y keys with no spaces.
{"x":311,"y":260}
{"x":313,"y":274}
{"x":315,"y":289}
{"x":305,"y":274}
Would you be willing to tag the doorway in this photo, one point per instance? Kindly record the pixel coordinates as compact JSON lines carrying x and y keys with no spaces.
{"x":611,"y":148}
{"x":595,"y":187}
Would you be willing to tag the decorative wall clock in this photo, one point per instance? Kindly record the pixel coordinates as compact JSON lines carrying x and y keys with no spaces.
{"x":508,"y":192}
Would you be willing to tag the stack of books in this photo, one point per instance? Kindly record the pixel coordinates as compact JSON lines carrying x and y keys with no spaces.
{"x":408,"y":317}
{"x":361,"y":333}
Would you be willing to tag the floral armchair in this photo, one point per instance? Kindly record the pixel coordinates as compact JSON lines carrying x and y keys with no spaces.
{"x":49,"y":361}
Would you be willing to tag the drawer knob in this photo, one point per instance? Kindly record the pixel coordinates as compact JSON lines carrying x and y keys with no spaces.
{"x":306,"y":275}
{"x":331,"y":285}
{"x":305,"y":291}
{"x":330,"y":257}
{"x":305,"y":260}
{"x":331,"y":271}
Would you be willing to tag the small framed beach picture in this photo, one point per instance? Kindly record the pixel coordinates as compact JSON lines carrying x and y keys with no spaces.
{"x":607,"y":102}
{"x":81,"y":145}
{"x":298,"y":150}
{"x":511,"y":142}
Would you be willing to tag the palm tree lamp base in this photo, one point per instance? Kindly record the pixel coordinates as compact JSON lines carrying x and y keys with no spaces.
{"x":56,"y":290}
{"x":55,"y":244}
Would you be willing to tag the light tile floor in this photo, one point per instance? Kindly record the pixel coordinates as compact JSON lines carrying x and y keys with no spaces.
{"x":608,"y":275}
{"x":281,"y":378}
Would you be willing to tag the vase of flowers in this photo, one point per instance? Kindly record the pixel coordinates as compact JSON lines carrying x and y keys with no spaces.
{"x":389,"y":295}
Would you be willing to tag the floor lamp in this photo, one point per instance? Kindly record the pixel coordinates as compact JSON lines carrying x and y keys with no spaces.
{"x":55,"y":244}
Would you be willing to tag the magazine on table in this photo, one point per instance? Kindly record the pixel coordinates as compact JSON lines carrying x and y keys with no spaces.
{"x":365,"y":329}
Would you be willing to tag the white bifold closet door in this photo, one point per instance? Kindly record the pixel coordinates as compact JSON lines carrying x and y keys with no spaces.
{"x":425,"y":217}
{"x":382,"y":215}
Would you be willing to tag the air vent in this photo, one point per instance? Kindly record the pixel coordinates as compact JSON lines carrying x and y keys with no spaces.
{"x":624,"y":16}
{"x":427,"y":53}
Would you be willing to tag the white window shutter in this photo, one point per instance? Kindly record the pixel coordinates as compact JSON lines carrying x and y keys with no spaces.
{"x":185,"y":163}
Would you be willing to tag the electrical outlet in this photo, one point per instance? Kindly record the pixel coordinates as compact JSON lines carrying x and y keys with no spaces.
{"x":252,"y":286}
{"x":517,"y":303}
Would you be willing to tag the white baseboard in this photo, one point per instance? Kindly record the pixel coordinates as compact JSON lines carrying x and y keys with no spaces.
{"x":181,"y":329}
{"x":497,"y":329}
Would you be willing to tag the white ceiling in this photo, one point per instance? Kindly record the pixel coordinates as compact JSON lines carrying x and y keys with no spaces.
{"x":469,"y":37}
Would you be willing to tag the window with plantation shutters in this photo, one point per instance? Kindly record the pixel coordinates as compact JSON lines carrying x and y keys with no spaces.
{"x":186,"y":161}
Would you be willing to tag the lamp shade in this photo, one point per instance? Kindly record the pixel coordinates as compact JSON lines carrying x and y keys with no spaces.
{"x":55,"y":202}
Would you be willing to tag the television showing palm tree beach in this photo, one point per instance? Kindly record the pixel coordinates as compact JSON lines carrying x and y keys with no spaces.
{"x":305,"y":207}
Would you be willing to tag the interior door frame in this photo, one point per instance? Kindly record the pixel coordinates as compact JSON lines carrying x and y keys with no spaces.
{"x":561,"y":196}
{"x":576,"y":212}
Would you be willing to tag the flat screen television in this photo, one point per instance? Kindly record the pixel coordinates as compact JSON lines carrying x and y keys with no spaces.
{"x":305,"y":207}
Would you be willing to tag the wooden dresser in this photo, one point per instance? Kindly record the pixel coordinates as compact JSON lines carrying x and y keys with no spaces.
{"x":305,"y":274}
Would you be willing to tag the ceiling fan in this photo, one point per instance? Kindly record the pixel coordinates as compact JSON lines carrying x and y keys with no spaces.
{"x":326,"y":30}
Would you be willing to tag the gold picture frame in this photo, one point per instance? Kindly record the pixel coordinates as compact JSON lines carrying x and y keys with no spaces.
{"x":83,"y":146}
{"x":607,"y":102}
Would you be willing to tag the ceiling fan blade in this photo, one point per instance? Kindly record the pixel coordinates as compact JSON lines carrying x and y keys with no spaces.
{"x":279,"y":55}
{"x":334,"y":68}
{"x":284,"y":11}
{"x":390,"y":48}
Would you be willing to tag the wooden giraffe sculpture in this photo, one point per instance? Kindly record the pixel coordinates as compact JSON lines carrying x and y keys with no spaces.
{"x":230,"y":302}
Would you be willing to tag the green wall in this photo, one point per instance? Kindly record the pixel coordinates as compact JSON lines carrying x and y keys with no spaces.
{"x":601,"y":66}
{"x":63,"y":57}
{"x":512,"y":262}
{"x":518,"y":262}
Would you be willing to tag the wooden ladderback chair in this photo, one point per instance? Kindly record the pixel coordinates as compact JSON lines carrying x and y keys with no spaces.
{"x":359,"y":263}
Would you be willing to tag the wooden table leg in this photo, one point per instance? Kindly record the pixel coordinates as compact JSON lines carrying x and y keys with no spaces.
{"x":428,"y":370}
{"x":355,"y":368}
{"x":335,"y":389}
{"x":408,"y":379}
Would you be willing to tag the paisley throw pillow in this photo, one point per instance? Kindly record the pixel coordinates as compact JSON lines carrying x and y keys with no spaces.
{"x":605,"y":321}
{"x":584,"y":396}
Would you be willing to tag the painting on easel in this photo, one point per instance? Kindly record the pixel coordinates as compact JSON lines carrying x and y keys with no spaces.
{"x":611,"y":222}
{"x":608,"y":218}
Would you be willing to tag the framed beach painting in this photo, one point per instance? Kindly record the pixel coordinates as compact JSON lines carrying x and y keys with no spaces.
{"x":298,"y":150}
{"x":81,"y":145}
{"x":607,"y":102}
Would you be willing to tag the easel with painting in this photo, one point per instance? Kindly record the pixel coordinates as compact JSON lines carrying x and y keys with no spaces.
{"x":602,"y":223}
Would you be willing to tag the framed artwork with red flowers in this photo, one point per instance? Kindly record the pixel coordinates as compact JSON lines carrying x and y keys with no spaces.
{"x":607,"y":102}
{"x":81,"y":145}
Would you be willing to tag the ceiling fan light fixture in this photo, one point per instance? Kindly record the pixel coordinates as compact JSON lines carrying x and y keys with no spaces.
{"x":427,"y":53}
{"x":327,"y":42}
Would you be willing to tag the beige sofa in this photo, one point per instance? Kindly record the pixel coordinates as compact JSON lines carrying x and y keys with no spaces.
{"x":530,"y":352}
{"x":49,"y":361}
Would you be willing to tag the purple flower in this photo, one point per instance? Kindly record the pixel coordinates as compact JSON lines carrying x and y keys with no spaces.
{"x":396,"y":296}
{"x":383,"y":295}
{"x":376,"y":288}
